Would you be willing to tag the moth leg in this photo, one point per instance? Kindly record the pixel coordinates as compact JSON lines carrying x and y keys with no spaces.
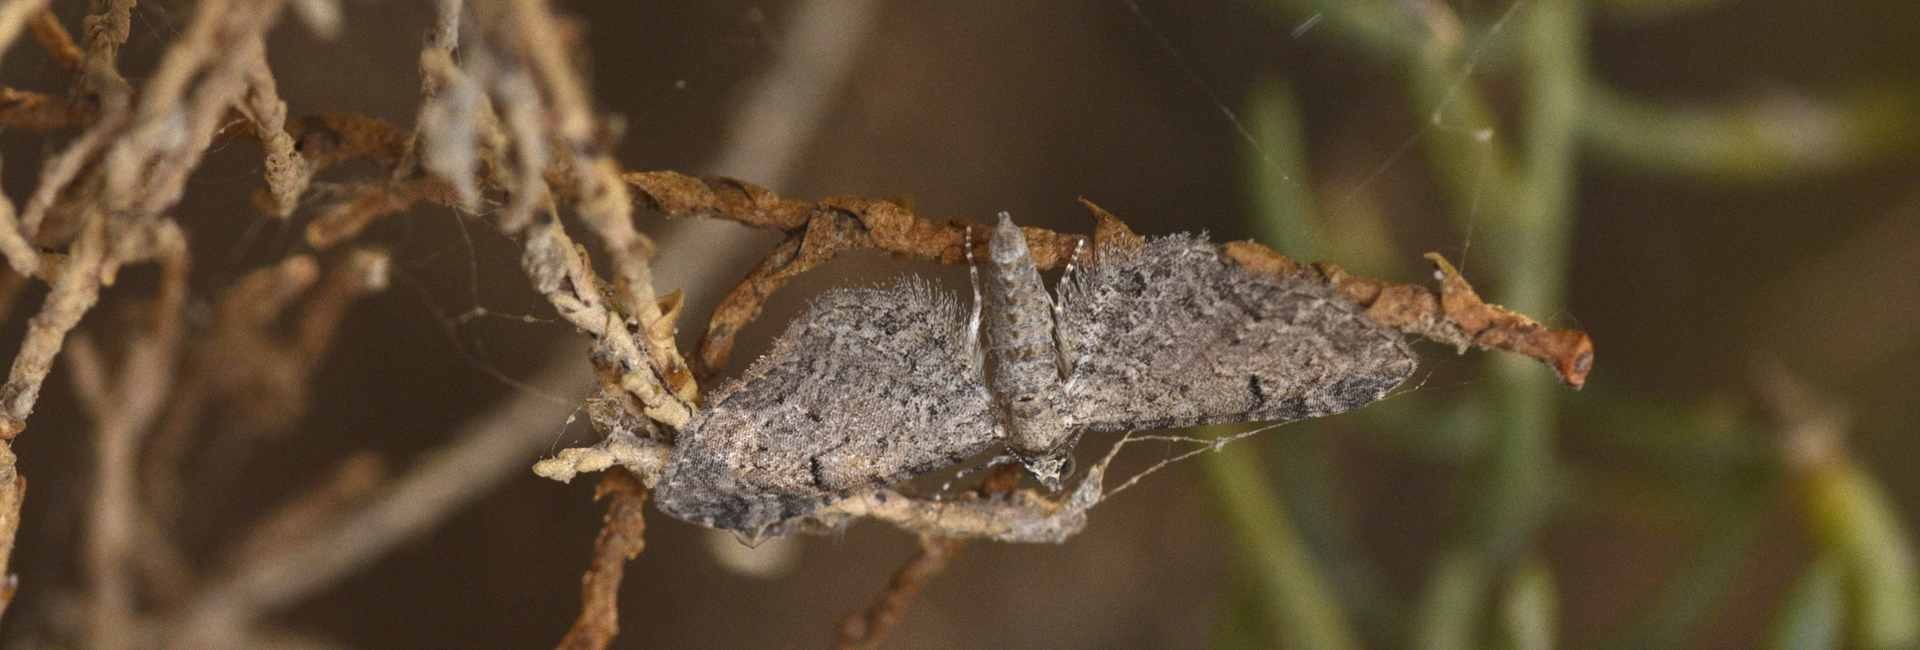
{"x":996,"y":462}
{"x":1021,"y":516}
{"x":1024,"y":516}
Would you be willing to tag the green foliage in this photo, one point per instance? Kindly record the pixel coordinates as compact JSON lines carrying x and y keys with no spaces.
{"x":1507,"y":177}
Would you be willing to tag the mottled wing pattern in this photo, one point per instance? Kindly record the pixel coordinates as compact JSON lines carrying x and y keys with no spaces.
{"x":1171,"y":335}
{"x":871,"y":387}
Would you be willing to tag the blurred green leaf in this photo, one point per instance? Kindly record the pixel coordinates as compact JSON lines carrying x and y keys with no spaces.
{"x":1303,"y":464}
{"x":1853,"y":521}
{"x":1759,"y":139}
{"x":1691,"y":444}
{"x":1530,"y":613}
{"x":1814,"y":610}
{"x":1243,"y":623}
{"x":1694,"y":591}
{"x":1275,"y":170}
{"x":1453,"y":601}
{"x":1299,"y":601}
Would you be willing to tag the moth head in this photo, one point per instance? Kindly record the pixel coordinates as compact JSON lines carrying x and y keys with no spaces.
{"x":753,"y":538}
{"x":1050,"y":470}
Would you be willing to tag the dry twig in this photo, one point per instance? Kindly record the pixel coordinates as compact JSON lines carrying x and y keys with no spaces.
{"x":864,"y":629}
{"x":130,"y":165}
{"x":21,"y":109}
{"x":514,"y":117}
{"x":243,"y":365}
{"x":13,"y":492}
{"x":57,"y":43}
{"x":489,"y":446}
{"x":14,"y":15}
{"x":620,"y":540}
{"x":818,"y":231}
{"x":122,"y":409}
{"x":1454,"y":315}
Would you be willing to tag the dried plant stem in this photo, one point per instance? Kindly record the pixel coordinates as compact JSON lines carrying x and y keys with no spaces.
{"x":142,"y":165}
{"x":13,"y":492}
{"x":14,"y":15}
{"x":287,"y":172}
{"x":58,"y":44}
{"x":20,"y":109}
{"x":1455,"y":315}
{"x":110,"y":531}
{"x":864,"y":629}
{"x":562,"y":272}
{"x":493,"y":445}
{"x":620,"y":540}
{"x":76,"y":286}
{"x":123,"y":408}
{"x":769,"y":131}
{"x":818,"y":231}
{"x":1512,"y":483}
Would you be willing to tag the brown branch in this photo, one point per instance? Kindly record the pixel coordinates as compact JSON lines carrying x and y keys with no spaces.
{"x":58,"y":43}
{"x":354,"y":274}
{"x":586,"y":174}
{"x":287,"y":172}
{"x":13,"y":492}
{"x":864,"y":629}
{"x":76,"y":286}
{"x":620,"y":540}
{"x":140,"y":164}
{"x":816,"y":232}
{"x":105,"y":33}
{"x":245,"y":365}
{"x":21,"y":109}
{"x":1456,"y":316}
{"x":22,"y":258}
{"x":544,"y":148}
{"x":330,"y":138}
{"x":300,"y":517}
{"x":14,"y":15}
{"x":368,"y":201}
{"x":123,"y":408}
{"x":140,"y":383}
{"x":561,"y":271}
{"x":545,"y":43}
{"x":488,"y":448}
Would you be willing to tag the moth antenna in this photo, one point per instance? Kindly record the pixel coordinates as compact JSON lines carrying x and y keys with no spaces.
{"x":1059,"y":312}
{"x":1071,"y":261}
{"x":973,"y":321}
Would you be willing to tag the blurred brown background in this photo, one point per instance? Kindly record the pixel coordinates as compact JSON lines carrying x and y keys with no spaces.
{"x":971,"y":108}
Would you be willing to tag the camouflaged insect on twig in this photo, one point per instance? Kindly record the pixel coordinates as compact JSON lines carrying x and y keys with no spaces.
{"x":874,"y":386}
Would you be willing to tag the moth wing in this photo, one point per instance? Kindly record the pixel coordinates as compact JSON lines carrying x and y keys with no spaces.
{"x":1170,"y":335}
{"x":869,"y":388}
